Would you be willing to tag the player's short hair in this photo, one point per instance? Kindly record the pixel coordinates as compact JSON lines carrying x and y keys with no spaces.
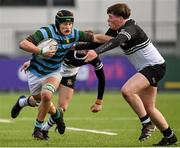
{"x":119,"y":9}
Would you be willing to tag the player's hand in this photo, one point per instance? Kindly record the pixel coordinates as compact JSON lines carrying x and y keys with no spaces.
{"x":47,"y":52}
{"x":25,"y":66}
{"x":90,"y":55}
{"x":50,"y":53}
{"x":97,"y":106}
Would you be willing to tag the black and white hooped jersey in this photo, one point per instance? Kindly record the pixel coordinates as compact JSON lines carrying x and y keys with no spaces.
{"x":76,"y":59}
{"x":136,"y":45}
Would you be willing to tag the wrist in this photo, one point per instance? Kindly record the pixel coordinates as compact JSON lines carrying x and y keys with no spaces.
{"x":99,"y":102}
{"x":40,"y":51}
{"x":43,"y":50}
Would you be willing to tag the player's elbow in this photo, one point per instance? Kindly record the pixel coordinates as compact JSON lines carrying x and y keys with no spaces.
{"x":21,"y":44}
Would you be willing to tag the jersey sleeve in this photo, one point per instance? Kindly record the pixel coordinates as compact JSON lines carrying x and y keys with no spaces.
{"x":111,"y":44}
{"x":93,"y":45}
{"x":86,"y":45}
{"x":98,"y":68}
{"x":85,"y":36}
{"x":111,"y":32}
{"x":39,"y":35}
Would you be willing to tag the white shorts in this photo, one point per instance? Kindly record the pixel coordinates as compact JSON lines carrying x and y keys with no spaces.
{"x":35,"y":83}
{"x":67,"y":70}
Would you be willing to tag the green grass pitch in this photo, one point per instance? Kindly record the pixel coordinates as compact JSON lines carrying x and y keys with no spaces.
{"x":116,"y":117}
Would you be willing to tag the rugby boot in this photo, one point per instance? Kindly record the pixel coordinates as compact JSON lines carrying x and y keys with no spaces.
{"x":16,"y":108}
{"x":167,"y":141}
{"x":146,"y":131}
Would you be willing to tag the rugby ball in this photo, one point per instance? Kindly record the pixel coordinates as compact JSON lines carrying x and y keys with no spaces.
{"x":48,"y":44}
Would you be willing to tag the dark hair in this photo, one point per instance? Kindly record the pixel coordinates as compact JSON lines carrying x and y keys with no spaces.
{"x":120,"y":9}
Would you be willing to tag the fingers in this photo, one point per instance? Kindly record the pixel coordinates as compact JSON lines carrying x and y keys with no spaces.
{"x":25,"y":66}
{"x":50,"y":53}
{"x":90,"y":55}
{"x":96,"y":108}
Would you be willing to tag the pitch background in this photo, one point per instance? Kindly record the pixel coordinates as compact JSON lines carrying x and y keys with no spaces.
{"x":116,"y":117}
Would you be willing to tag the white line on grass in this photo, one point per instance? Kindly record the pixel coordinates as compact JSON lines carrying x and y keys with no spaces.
{"x":89,"y":118}
{"x":5,"y":121}
{"x":91,"y":131}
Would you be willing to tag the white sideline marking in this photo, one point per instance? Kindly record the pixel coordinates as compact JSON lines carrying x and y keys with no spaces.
{"x":89,"y":118}
{"x":91,"y":131}
{"x":5,"y":121}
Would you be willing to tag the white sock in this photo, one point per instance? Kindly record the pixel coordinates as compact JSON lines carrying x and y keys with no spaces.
{"x":48,"y":124}
{"x":23,"y":102}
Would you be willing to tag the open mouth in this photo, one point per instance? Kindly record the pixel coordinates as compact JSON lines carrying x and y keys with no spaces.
{"x":67,"y":31}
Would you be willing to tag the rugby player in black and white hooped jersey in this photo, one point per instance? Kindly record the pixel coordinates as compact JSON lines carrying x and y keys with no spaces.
{"x":140,"y":91}
{"x":69,"y":68}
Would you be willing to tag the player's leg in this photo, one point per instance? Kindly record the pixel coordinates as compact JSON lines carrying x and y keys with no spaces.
{"x":154,"y":74}
{"x":45,"y":129}
{"x":22,"y":102}
{"x":35,"y":87}
{"x":65,"y":93}
{"x":65,"y":96}
{"x":130,"y":92}
{"x":148,"y":96}
{"x":49,"y":87}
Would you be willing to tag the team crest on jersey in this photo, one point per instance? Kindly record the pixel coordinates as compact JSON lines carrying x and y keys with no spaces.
{"x":69,"y":82}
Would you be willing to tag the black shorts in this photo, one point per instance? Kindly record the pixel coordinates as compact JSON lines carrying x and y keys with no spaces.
{"x":154,"y":73}
{"x":69,"y":81}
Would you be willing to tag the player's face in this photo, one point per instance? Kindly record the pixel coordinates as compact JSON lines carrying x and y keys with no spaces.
{"x":66,"y":28}
{"x":114,"y":22}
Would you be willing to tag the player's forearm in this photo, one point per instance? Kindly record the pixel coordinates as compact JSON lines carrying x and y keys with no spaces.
{"x":113,"y":43}
{"x":29,"y":47}
{"x":101,"y":83}
{"x":86,"y":45}
{"x":101,"y":38}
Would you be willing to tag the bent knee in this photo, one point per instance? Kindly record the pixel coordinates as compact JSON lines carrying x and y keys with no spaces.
{"x":46,"y":97}
{"x":126,"y":92}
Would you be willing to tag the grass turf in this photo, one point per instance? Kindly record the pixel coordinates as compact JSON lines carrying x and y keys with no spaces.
{"x":116,"y":117}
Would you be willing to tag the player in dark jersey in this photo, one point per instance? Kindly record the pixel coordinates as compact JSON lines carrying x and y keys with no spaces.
{"x":140,"y":90}
{"x":70,"y":66}
{"x":69,"y":69}
{"x":43,"y":73}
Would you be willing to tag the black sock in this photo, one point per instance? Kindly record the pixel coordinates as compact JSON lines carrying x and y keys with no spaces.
{"x":167,"y":132}
{"x":145,"y":119}
{"x":56,"y":116}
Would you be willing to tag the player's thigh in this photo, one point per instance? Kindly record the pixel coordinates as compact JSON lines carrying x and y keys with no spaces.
{"x":65,"y":94}
{"x":35,"y":84}
{"x":135,"y":84}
